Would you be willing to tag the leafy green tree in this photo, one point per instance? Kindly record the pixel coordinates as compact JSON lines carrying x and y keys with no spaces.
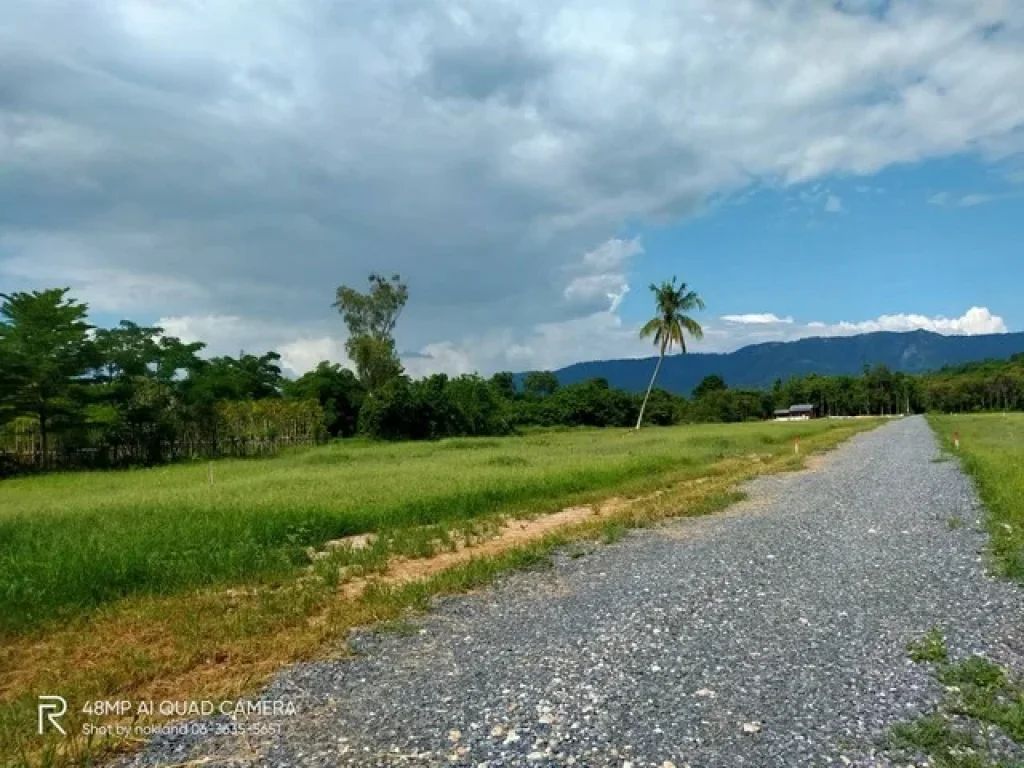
{"x":978,"y":386}
{"x":881,"y":389}
{"x":433,"y":408}
{"x":134,"y":417}
{"x":258,"y":378}
{"x":590,"y":403}
{"x":481,"y":410}
{"x":371,"y":319}
{"x":11,"y":375}
{"x":178,"y":358}
{"x":709,"y":384}
{"x":142,"y":424}
{"x":337,"y":390}
{"x":375,"y":360}
{"x":393,"y":413}
{"x":435,"y":414}
{"x":1001,"y":388}
{"x":246,"y":377}
{"x":663,"y":408}
{"x":127,"y":350}
{"x":540,"y":384}
{"x":504,"y":384}
{"x":46,"y":352}
{"x":669,"y":325}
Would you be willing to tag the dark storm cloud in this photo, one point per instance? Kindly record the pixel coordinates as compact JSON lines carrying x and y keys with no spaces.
{"x":240,"y":160}
{"x":483,"y":71}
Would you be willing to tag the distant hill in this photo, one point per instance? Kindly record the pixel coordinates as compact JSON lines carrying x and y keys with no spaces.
{"x":759,"y":365}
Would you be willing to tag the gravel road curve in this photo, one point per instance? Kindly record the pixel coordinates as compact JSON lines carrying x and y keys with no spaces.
{"x":773,"y":634}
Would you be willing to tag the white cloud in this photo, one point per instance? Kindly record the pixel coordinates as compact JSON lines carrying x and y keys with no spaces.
{"x":103,"y":288}
{"x":610,"y":287}
{"x":233,"y":334}
{"x":604,"y":283}
{"x":969,"y":201}
{"x":604,"y":336}
{"x":741,"y":330}
{"x":444,"y":357}
{"x":612,"y":254}
{"x":198,"y":160}
{"x":304,"y":354}
{"x":223,"y":334}
{"x":977,"y":320}
{"x":545,"y":346}
{"x":833,"y":204}
{"x":765,"y":318}
{"x":962,"y":201}
{"x":597,"y":336}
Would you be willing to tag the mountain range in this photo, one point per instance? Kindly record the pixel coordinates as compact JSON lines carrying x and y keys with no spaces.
{"x":759,"y":365}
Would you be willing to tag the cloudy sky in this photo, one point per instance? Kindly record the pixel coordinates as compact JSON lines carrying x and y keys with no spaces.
{"x":528,"y":166}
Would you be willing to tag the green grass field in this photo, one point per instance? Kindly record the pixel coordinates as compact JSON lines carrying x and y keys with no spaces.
{"x":992,"y":451}
{"x":75,"y":541}
{"x":155,"y":584}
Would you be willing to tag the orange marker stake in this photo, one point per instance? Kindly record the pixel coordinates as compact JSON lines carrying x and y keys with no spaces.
{"x":956,"y":440}
{"x":796,"y":445}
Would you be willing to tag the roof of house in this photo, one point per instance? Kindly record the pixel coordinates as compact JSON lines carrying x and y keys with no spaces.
{"x":801,"y":408}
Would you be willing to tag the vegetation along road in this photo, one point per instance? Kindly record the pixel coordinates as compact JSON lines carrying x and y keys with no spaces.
{"x":839,"y":616}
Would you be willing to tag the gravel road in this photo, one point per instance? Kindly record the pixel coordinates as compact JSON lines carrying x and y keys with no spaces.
{"x":773,"y":634}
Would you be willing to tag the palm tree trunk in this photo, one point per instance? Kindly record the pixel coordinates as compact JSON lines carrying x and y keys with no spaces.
{"x":650,"y":386}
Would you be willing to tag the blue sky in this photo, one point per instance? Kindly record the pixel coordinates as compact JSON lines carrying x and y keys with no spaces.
{"x":932,"y":238}
{"x":528,"y":167}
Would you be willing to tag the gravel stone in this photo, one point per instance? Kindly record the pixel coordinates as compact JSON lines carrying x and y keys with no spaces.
{"x":773,"y":634}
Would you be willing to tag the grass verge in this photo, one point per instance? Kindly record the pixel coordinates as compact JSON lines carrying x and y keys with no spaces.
{"x":992,"y":452}
{"x":218,"y":642}
{"x":73,"y":543}
{"x":979,"y":720}
{"x":981,"y":715}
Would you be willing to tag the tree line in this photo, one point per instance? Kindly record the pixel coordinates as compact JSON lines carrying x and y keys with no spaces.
{"x":438,"y":406}
{"x":75,"y":395}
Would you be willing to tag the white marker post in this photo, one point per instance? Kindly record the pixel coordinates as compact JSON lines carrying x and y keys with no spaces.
{"x":796,"y":445}
{"x":956,"y":440}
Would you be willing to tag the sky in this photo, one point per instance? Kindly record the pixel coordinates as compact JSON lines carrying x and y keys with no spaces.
{"x":528,"y":167}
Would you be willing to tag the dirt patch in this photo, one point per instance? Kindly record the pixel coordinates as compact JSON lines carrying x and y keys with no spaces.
{"x":817,"y":461}
{"x":511,"y":534}
{"x":362,"y":541}
{"x":519,"y":532}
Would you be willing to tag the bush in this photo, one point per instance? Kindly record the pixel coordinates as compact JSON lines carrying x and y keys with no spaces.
{"x":589,"y":404}
{"x":433,"y":408}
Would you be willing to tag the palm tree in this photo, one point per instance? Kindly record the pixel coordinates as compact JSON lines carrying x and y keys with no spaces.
{"x":668,"y":325}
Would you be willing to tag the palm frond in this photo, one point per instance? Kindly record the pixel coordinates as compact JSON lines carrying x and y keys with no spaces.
{"x":670,"y":325}
{"x":651,"y":326}
{"x":692,"y":326}
{"x":691,"y":301}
